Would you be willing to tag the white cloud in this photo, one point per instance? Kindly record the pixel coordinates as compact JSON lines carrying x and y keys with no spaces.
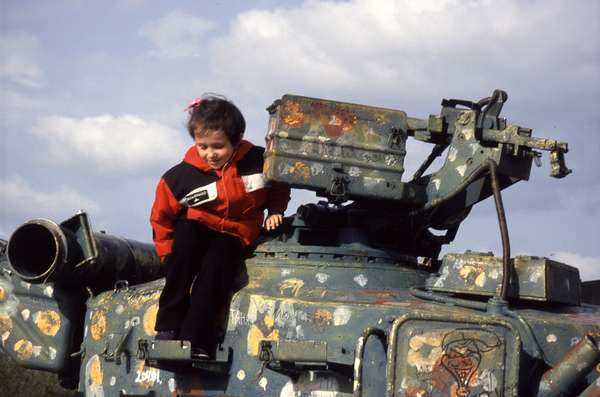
{"x":177,"y":34}
{"x":589,"y":267}
{"x":19,"y":59}
{"x":20,"y":202}
{"x":110,"y":143}
{"x":427,"y":48}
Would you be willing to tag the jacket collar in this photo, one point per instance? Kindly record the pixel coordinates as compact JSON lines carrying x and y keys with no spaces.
{"x":192,"y":157}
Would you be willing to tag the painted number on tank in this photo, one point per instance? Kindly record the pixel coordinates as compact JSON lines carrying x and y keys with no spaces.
{"x":148,"y":376}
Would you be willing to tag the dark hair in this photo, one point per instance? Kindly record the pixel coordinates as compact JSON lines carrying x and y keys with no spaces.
{"x":217,"y":113}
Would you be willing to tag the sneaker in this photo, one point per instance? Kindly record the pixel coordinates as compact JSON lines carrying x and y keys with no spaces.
{"x":199,"y":353}
{"x":166,"y":335}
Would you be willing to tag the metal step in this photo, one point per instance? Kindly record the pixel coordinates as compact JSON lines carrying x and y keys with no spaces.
{"x":176,"y":356}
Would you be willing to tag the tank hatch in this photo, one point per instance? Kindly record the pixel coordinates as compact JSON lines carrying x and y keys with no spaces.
{"x":534,"y":278}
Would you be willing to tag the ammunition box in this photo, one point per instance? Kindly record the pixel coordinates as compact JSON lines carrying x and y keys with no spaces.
{"x":340,"y":150}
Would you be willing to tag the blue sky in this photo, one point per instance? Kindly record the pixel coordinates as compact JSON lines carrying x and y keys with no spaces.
{"x":92,"y":93}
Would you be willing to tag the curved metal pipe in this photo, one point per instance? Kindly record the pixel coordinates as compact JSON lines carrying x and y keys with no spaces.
{"x":560,"y":380}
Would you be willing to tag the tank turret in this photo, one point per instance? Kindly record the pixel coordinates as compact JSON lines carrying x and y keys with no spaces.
{"x":350,"y":297}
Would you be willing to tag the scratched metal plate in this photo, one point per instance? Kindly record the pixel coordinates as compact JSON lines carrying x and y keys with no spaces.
{"x":311,"y":141}
{"x":439,"y":358}
{"x":33,"y":328}
{"x":534,"y":278}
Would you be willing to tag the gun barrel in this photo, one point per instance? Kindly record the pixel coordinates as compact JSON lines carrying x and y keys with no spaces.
{"x":41,"y":250}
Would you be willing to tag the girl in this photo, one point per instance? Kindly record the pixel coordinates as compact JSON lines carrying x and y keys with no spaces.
{"x":207,"y":209}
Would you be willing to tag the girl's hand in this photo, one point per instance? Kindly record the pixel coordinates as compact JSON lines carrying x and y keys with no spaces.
{"x":273,"y":221}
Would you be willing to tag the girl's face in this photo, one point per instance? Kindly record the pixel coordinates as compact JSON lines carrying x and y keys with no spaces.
{"x":214,"y":147}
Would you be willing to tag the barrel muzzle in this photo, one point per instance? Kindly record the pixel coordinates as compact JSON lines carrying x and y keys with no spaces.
{"x":36,"y":249}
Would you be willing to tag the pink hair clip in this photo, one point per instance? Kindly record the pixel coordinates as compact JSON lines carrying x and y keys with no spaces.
{"x":193,"y":105}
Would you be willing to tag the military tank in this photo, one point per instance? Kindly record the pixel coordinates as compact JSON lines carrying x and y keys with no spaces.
{"x":348,"y":298}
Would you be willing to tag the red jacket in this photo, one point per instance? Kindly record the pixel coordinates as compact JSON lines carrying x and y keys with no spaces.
{"x":230,"y":200}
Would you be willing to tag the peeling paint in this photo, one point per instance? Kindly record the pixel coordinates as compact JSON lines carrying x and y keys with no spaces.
{"x":292,"y":284}
{"x":5,"y":327}
{"x":37,"y":350}
{"x":98,"y":324}
{"x":461,"y":169}
{"x":285,"y":272}
{"x":317,"y":168}
{"x":149,"y":319}
{"x":361,"y":280}
{"x":49,"y":291}
{"x":494,"y":274}
{"x":294,"y":116}
{"x":452,"y":154}
{"x":241,"y":375}
{"x":488,"y":380}
{"x":263,"y":383}
{"x":113,"y":380}
{"x":322,"y":277}
{"x":94,"y":377}
{"x":171,"y":385}
{"x":425,"y":350}
{"x":119,"y":309}
{"x":287,"y":390}
{"x":23,"y":349}
{"x":9,"y":303}
{"x":551,"y":338}
{"x":436,"y":183}
{"x":47,"y":321}
{"x":480,"y":279}
{"x":354,"y":171}
{"x":51,"y":353}
{"x":341,"y":315}
{"x":536,"y":275}
{"x":25,"y":313}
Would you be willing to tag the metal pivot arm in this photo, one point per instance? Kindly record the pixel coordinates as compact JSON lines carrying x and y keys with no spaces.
{"x":474,"y":133}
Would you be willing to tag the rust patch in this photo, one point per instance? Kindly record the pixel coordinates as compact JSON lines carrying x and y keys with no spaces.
{"x":2,"y":294}
{"x":425,"y":350}
{"x":150,"y":319}
{"x":98,"y":324}
{"x":293,"y":116}
{"x":48,"y":322}
{"x":300,"y":170}
{"x":95,"y":373}
{"x":24,"y":349}
{"x":5,"y":327}
{"x":323,"y":317}
{"x":292,"y":284}
{"x":336,"y":120}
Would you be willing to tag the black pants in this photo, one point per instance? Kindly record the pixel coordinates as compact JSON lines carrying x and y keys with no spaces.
{"x":209,"y":260}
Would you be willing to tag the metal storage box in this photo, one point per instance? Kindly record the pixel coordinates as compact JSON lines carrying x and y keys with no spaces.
{"x":337,"y":149}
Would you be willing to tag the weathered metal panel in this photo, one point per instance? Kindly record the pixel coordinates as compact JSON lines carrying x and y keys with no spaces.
{"x":338,"y":148}
{"x":533,"y":278}
{"x":452,"y":354}
{"x":34,"y":330}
